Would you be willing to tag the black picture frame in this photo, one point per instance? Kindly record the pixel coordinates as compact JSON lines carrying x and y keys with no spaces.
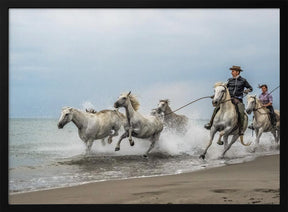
{"x":7,"y":4}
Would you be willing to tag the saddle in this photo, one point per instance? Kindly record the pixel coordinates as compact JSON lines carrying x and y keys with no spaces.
{"x":236,"y":101}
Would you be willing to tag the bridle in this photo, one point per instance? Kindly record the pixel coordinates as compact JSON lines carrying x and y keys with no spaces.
{"x":256,"y":109}
{"x":222,"y":95}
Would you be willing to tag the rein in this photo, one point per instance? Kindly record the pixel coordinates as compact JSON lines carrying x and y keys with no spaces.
{"x":212,"y":97}
{"x":259,"y":111}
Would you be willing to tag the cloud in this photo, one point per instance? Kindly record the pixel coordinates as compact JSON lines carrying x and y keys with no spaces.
{"x":74,"y":55}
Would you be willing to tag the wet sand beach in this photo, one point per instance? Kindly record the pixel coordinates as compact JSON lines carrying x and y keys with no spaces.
{"x":254,"y":182}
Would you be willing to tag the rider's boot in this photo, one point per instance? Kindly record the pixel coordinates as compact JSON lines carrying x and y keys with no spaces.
{"x":273,"y":122}
{"x":209,"y":125}
{"x":251,"y":126}
{"x":241,"y":130}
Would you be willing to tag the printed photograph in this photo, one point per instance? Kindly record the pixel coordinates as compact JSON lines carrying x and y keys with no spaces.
{"x":144,"y":106}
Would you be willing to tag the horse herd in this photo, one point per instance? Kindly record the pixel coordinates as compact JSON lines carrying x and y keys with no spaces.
{"x":93,"y":125}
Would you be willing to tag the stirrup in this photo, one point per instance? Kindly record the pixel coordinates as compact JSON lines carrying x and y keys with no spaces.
{"x":241,"y":132}
{"x":251,"y":127}
{"x":208,"y":126}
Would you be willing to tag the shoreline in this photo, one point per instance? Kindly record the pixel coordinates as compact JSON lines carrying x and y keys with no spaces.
{"x":252,"y":182}
{"x":140,"y":177}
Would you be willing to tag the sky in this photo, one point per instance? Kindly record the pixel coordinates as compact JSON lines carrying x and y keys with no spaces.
{"x":85,"y":58}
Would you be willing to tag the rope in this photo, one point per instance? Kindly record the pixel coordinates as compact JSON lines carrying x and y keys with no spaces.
{"x":274,"y":89}
{"x":211,"y":97}
{"x":190,"y":103}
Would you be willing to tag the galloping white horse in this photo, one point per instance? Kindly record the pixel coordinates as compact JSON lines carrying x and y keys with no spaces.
{"x":261,"y":121}
{"x":172,"y":120}
{"x":93,"y":126}
{"x":225,"y":120}
{"x":139,"y":126}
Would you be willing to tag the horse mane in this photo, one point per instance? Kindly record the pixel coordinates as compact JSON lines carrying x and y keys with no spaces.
{"x":165,"y":100}
{"x":219,"y":84}
{"x":134,"y":102}
{"x":258,"y":102}
{"x":256,"y":99}
{"x":104,"y":111}
{"x":261,"y":104}
{"x":225,"y":85}
{"x":67,"y":107}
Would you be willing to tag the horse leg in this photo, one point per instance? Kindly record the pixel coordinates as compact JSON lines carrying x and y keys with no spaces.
{"x":278,"y":135}
{"x":154,"y":138}
{"x":212,"y":133}
{"x":225,"y":132}
{"x":88,"y":146}
{"x":130,"y":136}
{"x":219,"y":142}
{"x":151,"y":147}
{"x":234,"y":138}
{"x":225,"y":138}
{"x":124,"y":135}
{"x":257,"y":139}
{"x":103,"y":142}
{"x":112,"y":135}
{"x":274,"y":135}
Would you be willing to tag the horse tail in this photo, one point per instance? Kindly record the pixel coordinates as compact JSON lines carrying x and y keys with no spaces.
{"x":277,"y":115}
{"x":242,"y":142}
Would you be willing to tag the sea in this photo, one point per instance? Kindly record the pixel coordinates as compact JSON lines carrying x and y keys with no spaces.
{"x":42,"y":157}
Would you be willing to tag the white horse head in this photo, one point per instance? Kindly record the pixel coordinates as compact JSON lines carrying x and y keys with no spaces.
{"x":124,"y":99}
{"x":220,"y":93}
{"x":157,"y":113}
{"x":65,"y":117}
{"x":163,"y":104}
{"x":251,"y":103}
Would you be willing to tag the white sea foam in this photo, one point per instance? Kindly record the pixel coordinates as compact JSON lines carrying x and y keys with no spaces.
{"x":42,"y":156}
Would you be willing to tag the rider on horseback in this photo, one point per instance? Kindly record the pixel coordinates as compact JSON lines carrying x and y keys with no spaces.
{"x":267,"y":100}
{"x":236,"y":86}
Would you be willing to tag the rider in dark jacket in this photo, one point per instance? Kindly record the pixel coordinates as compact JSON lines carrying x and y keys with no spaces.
{"x":236,"y":86}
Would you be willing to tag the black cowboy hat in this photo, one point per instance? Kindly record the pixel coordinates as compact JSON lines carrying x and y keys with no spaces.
{"x":236,"y":68}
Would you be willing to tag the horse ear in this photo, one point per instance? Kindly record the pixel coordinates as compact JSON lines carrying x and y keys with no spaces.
{"x":129,"y":93}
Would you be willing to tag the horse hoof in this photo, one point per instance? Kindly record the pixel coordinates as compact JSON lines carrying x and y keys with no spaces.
{"x":117,"y":148}
{"x":202,"y":157}
{"x":220,"y":142}
{"x":132,"y":144}
{"x":145,"y":156}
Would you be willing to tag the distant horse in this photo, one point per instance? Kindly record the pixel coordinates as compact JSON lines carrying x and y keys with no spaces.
{"x":93,"y":126}
{"x":139,"y":126}
{"x":172,"y":120}
{"x":157,"y":113}
{"x":261,"y":121}
{"x":225,"y":120}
